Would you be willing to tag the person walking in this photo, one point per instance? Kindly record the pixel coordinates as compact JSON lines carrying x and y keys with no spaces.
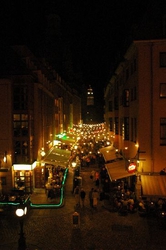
{"x":97,"y":182}
{"x":90,"y":197}
{"x":92,"y":176}
{"x":82,"y":197}
{"x":95,"y":197}
{"x":77,"y":195}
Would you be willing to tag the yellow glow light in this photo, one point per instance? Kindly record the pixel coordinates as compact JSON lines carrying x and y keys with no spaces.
{"x":22,"y":167}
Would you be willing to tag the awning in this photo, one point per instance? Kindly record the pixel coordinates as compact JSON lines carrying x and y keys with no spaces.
{"x":109,"y":153}
{"x":153,"y":185}
{"x":117,"y":170}
{"x":57,"y":157}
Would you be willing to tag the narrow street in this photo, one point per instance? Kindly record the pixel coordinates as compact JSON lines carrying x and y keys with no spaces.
{"x":98,"y":229}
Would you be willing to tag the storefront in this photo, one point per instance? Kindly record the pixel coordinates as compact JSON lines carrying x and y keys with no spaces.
{"x":23,"y":177}
{"x":52,"y":167}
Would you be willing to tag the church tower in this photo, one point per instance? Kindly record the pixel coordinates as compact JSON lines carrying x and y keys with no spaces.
{"x":90,"y":97}
{"x":90,"y":107}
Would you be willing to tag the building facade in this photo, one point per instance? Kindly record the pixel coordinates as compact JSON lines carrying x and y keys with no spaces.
{"x":135,"y":100}
{"x":36,"y":104}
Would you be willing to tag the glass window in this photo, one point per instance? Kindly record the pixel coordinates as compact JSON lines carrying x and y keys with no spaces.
{"x":135,"y":64}
{"x":133,"y":94}
{"x":133,"y":129}
{"x":16,"y":117}
{"x":20,"y":97}
{"x":126,"y":98}
{"x":110,"y":108}
{"x":111,"y":123}
{"x":20,"y":125}
{"x":162,"y":59}
{"x":3,"y":180}
{"x":121,"y":126}
{"x":116,"y":125}
{"x":162,"y":90}
{"x":127,"y":74}
{"x":126,"y":128}
{"x":163,"y":131}
{"x":116,"y":103}
{"x":17,"y":147}
{"x":24,"y":117}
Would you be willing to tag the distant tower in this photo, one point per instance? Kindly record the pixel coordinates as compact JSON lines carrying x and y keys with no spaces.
{"x":90,"y":107}
{"x":90,"y":97}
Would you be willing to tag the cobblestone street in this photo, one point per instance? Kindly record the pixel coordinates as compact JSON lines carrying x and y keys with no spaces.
{"x":98,"y":230}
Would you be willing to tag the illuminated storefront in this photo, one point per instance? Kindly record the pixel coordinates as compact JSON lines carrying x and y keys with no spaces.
{"x":23,"y":176}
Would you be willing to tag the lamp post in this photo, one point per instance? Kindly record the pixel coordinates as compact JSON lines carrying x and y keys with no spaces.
{"x":21,"y":211}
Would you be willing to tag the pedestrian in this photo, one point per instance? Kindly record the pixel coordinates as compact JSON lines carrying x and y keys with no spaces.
{"x":97,"y":175}
{"x":92,"y":176}
{"x":90,"y":197}
{"x":77,"y":195}
{"x":75,"y":184}
{"x":97,"y":182}
{"x":95,"y":197}
{"x":82,"y":197}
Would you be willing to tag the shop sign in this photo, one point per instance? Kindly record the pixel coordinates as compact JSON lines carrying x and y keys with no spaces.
{"x":132,"y":167}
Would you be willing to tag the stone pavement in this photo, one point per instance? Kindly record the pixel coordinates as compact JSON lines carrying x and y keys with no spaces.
{"x":53,"y":229}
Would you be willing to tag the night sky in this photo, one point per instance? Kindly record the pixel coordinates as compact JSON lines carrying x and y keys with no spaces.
{"x":87,"y":42}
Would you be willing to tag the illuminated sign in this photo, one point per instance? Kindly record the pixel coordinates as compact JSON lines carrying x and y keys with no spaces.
{"x":132,"y":167}
{"x":22,"y":167}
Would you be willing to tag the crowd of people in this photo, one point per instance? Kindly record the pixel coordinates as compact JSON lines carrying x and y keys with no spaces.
{"x":55,"y":178}
{"x":80,"y":195}
{"x":99,"y":188}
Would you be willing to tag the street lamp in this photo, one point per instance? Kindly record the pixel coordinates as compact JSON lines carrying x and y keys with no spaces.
{"x":74,"y":164}
{"x":21,"y":211}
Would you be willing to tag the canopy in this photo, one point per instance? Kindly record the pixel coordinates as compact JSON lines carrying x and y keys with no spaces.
{"x":117,"y":170}
{"x":153,"y":185}
{"x":57,"y":157}
{"x":109,"y":153}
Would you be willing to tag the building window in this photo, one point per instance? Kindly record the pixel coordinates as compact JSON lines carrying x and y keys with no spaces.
{"x":131,"y":91}
{"x":111,"y":123}
{"x":110,"y":108}
{"x":126,"y":128}
{"x":162,"y":90}
{"x":121,"y":126}
{"x":116,"y":125}
{"x":164,"y":26}
{"x":133,"y":94}
{"x":133,"y":129}
{"x":3,"y":180}
{"x":21,"y":151}
{"x":162,"y":59}
{"x":20,"y":97}
{"x":135,"y":64}
{"x":20,"y":124}
{"x":116,"y":103}
{"x":126,"y":98}
{"x":163,"y":131}
{"x":127,"y":74}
